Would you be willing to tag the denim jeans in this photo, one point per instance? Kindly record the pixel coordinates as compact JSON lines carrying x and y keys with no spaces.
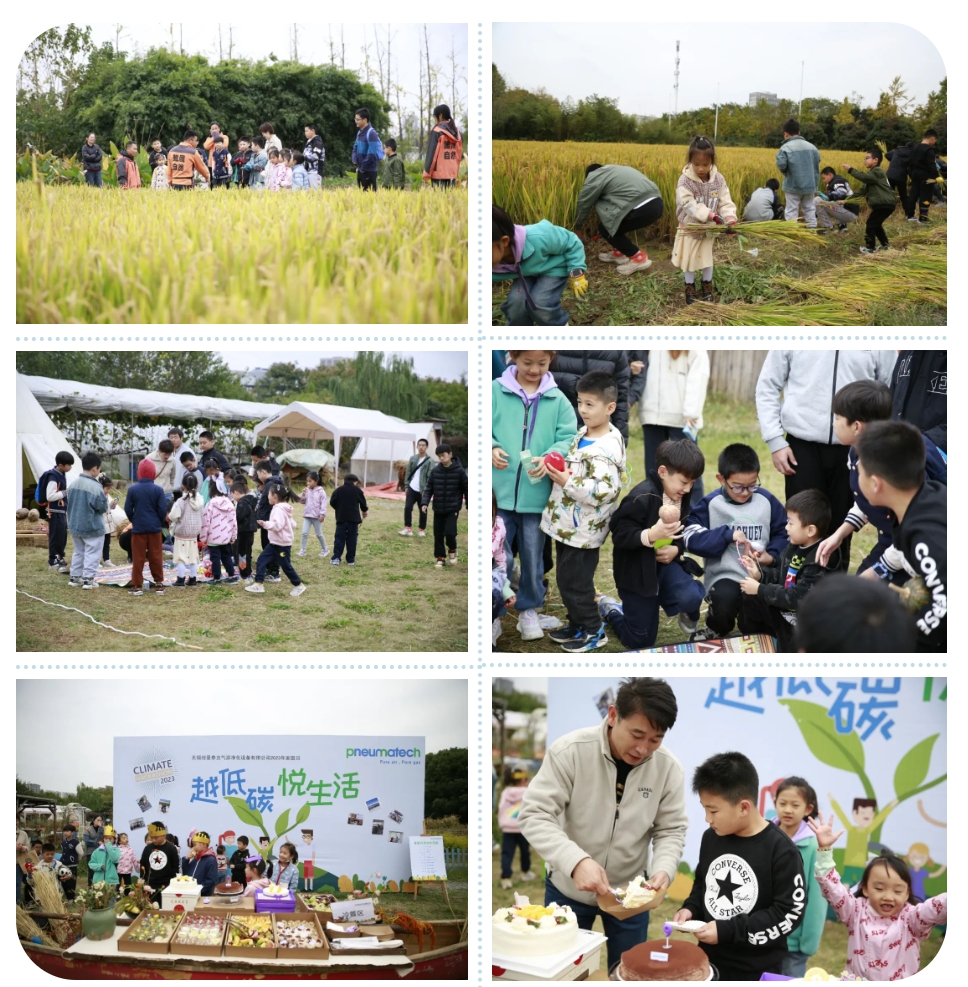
{"x":87,"y":555}
{"x":509,"y":843}
{"x":545,"y":294}
{"x":795,"y":964}
{"x":93,"y":178}
{"x":312,"y":524}
{"x":638,"y":625}
{"x":530,"y":537}
{"x":622,"y":935}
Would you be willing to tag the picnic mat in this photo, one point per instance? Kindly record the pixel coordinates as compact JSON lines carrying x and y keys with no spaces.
{"x":121,"y":575}
{"x":754,"y":644}
{"x":388,"y":491}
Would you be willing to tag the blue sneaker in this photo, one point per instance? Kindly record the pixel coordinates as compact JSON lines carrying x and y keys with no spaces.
{"x":586,"y":641}
{"x":608,"y":605}
{"x":563,"y":634}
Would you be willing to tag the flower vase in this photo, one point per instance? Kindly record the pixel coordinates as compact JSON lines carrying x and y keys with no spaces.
{"x":98,"y":923}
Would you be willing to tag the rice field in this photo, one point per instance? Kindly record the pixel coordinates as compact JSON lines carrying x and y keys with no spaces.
{"x":98,"y":256}
{"x":757,"y":279}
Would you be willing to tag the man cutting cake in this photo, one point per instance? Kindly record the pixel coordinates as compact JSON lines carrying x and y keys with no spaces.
{"x":567,"y":813}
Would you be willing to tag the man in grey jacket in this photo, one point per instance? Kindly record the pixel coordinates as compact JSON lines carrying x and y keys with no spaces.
{"x":798,"y":428}
{"x":799,"y":161}
{"x":567,"y":812}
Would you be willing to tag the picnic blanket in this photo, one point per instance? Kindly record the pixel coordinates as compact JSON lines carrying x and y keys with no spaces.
{"x":754,"y":644}
{"x":121,"y":575}
{"x":388,"y":491}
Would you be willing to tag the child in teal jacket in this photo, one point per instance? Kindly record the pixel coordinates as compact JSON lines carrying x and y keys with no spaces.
{"x":104,"y":861}
{"x":540,"y":260}
{"x":796,"y":801}
{"x":529,"y":415}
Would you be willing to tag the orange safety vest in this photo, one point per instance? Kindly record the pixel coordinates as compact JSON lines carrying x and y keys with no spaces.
{"x":183,"y":161}
{"x":132,"y":175}
{"x":447,"y":154}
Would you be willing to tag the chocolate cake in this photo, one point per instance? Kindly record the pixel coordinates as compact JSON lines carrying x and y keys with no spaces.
{"x":684,"y":961}
{"x":229,"y":887}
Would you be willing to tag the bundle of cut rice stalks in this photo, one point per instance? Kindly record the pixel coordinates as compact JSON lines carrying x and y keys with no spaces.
{"x":29,"y":930}
{"x":48,"y":894}
{"x":776,"y":313}
{"x":777,"y":230}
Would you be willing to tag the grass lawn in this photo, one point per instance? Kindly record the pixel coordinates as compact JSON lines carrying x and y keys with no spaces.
{"x":429,"y":903}
{"x":726,"y":421}
{"x":393,"y":599}
{"x":655,"y":296}
{"x":831,"y":955}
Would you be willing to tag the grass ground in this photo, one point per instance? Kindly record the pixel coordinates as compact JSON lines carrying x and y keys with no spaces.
{"x":656,"y":296}
{"x":393,"y":599}
{"x":830,"y":956}
{"x":726,"y":421}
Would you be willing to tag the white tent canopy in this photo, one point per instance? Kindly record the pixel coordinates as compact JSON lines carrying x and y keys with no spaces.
{"x":93,"y":399}
{"x":304,"y":420}
{"x":38,"y":441}
{"x":381,"y":454}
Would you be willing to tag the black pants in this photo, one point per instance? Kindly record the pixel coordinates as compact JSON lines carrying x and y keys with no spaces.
{"x":124,"y":543}
{"x":347,"y":532}
{"x":56,"y":536}
{"x":279,"y":556}
{"x":445,"y":529}
{"x":106,"y":551}
{"x":413,"y":497}
{"x":221,"y":555}
{"x":575,"y":575}
{"x":920,"y":198}
{"x":244,"y":551}
{"x":900,"y":186}
{"x":762,"y":613}
{"x":366,"y":180}
{"x":221,"y":182}
{"x":726,"y":608}
{"x":637,"y":219}
{"x":182,"y":188}
{"x":273,"y":569}
{"x":509,"y":843}
{"x":654,"y":436}
{"x":823,"y":467}
{"x":443,"y":182}
{"x":874,"y":230}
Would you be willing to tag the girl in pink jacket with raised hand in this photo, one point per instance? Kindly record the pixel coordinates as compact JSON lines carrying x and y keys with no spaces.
{"x":219,"y":531}
{"x":314,"y":499}
{"x":885,"y":921}
{"x":279,"y":550}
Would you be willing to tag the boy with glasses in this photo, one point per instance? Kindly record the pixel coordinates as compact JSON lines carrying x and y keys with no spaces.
{"x":738,"y":519}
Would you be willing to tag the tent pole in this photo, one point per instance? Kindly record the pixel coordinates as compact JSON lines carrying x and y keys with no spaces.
{"x":366,"y":453}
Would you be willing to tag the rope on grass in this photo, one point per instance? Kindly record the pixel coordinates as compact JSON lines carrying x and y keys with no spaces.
{"x":108,"y":627}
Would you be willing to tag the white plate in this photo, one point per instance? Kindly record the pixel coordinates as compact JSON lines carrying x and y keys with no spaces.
{"x":693,"y":925}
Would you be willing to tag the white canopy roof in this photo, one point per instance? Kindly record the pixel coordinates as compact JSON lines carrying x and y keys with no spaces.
{"x":38,"y":442}
{"x":304,"y":420}
{"x":387,"y":450}
{"x":93,"y":399}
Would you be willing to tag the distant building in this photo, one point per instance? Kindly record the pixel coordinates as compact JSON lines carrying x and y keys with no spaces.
{"x":252,"y":377}
{"x":771,"y":99}
{"x":33,"y":787}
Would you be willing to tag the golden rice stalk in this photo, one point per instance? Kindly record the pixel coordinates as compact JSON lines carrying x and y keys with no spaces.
{"x":780,"y":231}
{"x":767,"y":314}
{"x":28,"y":929}
{"x":48,"y":893}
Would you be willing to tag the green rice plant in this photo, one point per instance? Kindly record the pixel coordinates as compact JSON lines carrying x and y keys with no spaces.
{"x":87,"y":255}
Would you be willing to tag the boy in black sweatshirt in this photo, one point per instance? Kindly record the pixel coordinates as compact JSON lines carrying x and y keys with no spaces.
{"x":349,"y":506}
{"x":890,"y":467}
{"x":773,"y":593}
{"x":749,"y":887}
{"x":447,"y":488}
{"x":245,"y":505}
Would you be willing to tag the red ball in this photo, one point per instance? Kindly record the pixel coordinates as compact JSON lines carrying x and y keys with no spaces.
{"x":556,"y":461}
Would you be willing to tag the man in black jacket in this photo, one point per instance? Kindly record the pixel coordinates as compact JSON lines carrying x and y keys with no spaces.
{"x":92,"y":161}
{"x":314,"y":154}
{"x":919,"y":389}
{"x":349,"y":505}
{"x":447,"y":488}
{"x":569,"y":366}
{"x":206,"y":443}
{"x":897,"y":173}
{"x":924,"y":174}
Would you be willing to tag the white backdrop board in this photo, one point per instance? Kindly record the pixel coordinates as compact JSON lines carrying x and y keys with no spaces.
{"x":354,"y":801}
{"x":849,"y":737}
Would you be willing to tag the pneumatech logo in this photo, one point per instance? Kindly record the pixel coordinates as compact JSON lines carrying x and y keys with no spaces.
{"x":384,"y":752}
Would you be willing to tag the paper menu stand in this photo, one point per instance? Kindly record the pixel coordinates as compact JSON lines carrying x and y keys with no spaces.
{"x":427,"y":863}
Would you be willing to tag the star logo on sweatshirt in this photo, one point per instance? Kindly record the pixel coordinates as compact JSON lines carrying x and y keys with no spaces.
{"x":727,"y":886}
{"x":731,"y":887}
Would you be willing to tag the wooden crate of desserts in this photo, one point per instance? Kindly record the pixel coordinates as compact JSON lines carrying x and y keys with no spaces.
{"x":252,"y":921}
{"x":203,"y":945}
{"x":296,"y":945}
{"x":314,"y":904}
{"x":130,"y":943}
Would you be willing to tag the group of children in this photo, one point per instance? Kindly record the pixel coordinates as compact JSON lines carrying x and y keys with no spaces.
{"x":763,"y":560}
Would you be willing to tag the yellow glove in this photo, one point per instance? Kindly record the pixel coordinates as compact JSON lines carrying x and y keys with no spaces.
{"x":578,"y":284}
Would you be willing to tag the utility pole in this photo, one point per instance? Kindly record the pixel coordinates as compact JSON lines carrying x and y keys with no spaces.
{"x":800,"y":105}
{"x":716,"y":124}
{"x":675,"y":88}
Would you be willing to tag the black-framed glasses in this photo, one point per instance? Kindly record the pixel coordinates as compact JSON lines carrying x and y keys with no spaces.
{"x":738,"y":489}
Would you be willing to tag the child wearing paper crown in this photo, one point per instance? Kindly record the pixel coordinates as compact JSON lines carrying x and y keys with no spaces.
{"x":104,"y":861}
{"x":507,"y":816}
{"x":201,"y":861}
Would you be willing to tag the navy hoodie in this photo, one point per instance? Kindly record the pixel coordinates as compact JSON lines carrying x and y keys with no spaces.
{"x":146,"y":507}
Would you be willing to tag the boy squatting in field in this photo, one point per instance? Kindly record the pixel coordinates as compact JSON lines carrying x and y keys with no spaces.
{"x":583,"y":497}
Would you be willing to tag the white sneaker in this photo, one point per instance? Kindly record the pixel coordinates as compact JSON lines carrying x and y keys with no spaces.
{"x":528,"y":626}
{"x":421,"y":533}
{"x":76,"y":582}
{"x":631,"y":266}
{"x":496,"y":631}
{"x":687,"y":626}
{"x":107,"y":564}
{"x":323,"y":555}
{"x":88,"y":584}
{"x":298,"y":590}
{"x":612,"y":257}
{"x":301,"y":554}
{"x":528,"y":876}
{"x":255,"y":588}
{"x":913,"y":219}
{"x":406,"y":532}
{"x":506,"y":884}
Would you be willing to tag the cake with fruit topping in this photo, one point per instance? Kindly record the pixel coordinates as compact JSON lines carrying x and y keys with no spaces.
{"x":533,"y":930}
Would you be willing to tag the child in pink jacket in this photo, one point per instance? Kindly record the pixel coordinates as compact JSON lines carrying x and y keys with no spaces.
{"x":314,"y":511}
{"x":508,"y":809}
{"x":279,"y":549}
{"x":885,"y":921}
{"x":219,"y":531}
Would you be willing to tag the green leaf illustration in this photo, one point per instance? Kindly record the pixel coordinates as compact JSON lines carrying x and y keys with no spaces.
{"x":251,"y":817}
{"x":913,"y":767}
{"x":838,"y":750}
{"x":302,"y":815}
{"x":282,"y":822}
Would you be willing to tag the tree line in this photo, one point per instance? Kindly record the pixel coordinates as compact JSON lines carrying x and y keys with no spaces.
{"x":519,"y":114}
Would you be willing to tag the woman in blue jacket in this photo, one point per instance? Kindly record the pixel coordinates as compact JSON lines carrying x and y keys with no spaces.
{"x":540,"y":260}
